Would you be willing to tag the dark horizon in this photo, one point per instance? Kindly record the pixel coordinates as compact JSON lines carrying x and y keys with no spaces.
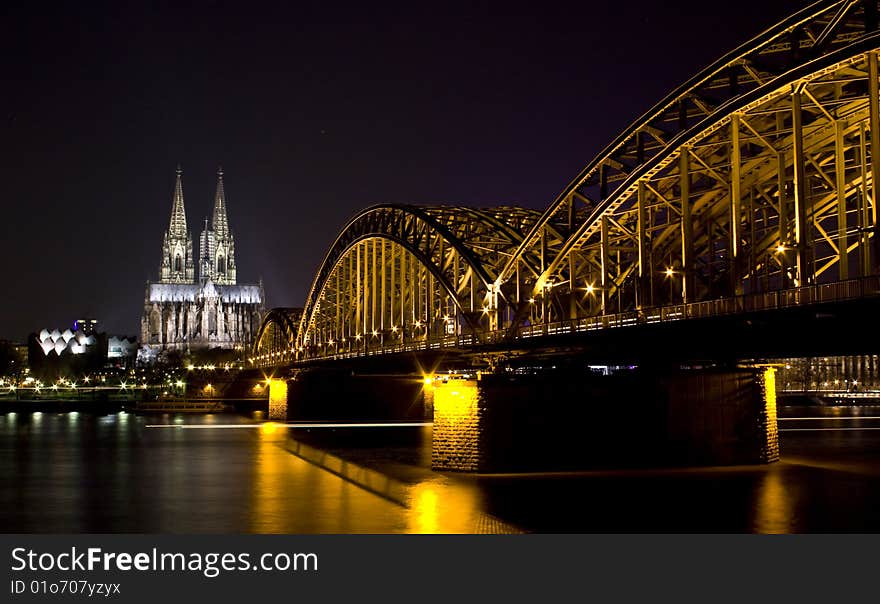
{"x":315,"y":113}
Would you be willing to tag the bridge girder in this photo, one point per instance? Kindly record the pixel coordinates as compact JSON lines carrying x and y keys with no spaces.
{"x":404,"y":273}
{"x":755,"y":177}
{"x":277,"y":333}
{"x":631,"y":232}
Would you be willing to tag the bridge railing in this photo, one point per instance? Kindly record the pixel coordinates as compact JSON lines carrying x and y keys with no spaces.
{"x":766,"y":301}
{"x":789,"y":298}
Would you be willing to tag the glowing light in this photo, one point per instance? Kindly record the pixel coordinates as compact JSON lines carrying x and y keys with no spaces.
{"x":277,"y":398}
{"x":770,"y":407}
{"x":393,"y":328}
{"x":123,"y":385}
{"x":357,"y":336}
{"x":485,"y":310}
{"x":669,"y":272}
{"x":375,"y":333}
{"x":179,"y":384}
{"x":590,"y":288}
{"x":295,"y":425}
{"x":428,"y":380}
{"x":531,"y":300}
{"x":780,"y":248}
{"x":268,"y":427}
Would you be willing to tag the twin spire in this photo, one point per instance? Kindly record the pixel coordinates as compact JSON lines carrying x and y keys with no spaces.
{"x":219,"y":221}
{"x":178,"y":214}
{"x":216,"y":256}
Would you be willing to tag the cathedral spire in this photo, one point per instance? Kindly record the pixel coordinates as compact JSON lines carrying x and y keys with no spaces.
{"x":177,"y":262}
{"x":177,"y":227}
{"x":217,"y":248}
{"x":219,"y":222}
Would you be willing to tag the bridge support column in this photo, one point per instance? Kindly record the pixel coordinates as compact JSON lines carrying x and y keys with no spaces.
{"x":578,"y":421}
{"x":278,"y":399}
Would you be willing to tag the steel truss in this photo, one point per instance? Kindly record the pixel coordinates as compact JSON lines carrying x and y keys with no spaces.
{"x":756,"y":175}
{"x":403,"y":274}
{"x":754,"y":178}
{"x":276,"y":334}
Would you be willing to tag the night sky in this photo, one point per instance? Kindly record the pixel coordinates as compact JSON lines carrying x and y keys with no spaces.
{"x":315,"y":111}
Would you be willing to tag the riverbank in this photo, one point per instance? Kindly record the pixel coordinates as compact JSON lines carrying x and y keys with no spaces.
{"x":101,"y":406}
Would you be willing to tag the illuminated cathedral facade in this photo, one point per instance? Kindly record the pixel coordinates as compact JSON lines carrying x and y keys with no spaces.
{"x":214,"y":311}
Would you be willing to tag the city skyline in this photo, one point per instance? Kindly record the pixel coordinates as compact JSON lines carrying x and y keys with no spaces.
{"x":314,"y":116}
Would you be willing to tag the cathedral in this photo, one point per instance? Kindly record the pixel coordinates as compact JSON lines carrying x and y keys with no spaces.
{"x":183,"y":313}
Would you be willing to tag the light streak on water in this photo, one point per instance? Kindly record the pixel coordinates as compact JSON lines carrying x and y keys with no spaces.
{"x":316,"y":425}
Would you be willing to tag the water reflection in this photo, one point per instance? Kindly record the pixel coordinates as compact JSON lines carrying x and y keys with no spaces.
{"x":82,"y":472}
{"x":773,"y":505}
{"x":291,"y":495}
{"x":449,"y":506}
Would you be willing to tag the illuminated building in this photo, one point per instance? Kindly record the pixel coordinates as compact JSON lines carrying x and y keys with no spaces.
{"x":86,"y":326}
{"x":181,"y":313}
{"x":121,"y":347}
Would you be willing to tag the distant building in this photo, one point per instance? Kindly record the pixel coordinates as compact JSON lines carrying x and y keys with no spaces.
{"x":55,"y":352}
{"x":121,"y":348}
{"x":181,"y":313}
{"x":13,"y":357}
{"x":66,"y":342}
{"x":87,"y":326}
{"x":80,"y":350}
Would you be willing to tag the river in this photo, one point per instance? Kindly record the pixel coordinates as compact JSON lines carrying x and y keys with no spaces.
{"x":225,"y":473}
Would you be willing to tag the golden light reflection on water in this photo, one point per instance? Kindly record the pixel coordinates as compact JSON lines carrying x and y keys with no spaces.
{"x":773,"y":506}
{"x":342,"y":496}
{"x":446,"y":506}
{"x":425,"y":517}
{"x":292,"y":495}
{"x":270,"y":478}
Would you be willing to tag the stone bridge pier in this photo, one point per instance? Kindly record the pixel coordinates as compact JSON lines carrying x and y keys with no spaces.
{"x":556,"y":421}
{"x":499,"y":423}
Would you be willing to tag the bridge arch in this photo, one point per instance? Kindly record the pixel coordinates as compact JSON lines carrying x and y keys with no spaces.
{"x":399,"y":274}
{"x":754,"y":176}
{"x":754,"y":179}
{"x":276,"y":335}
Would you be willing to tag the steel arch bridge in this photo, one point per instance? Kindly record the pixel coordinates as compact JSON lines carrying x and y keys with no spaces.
{"x":751,"y":186}
{"x":276,"y":333}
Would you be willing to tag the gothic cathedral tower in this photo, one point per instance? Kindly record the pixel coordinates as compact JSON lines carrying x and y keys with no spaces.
{"x":181,"y":314}
{"x":216,"y":245}
{"x":177,"y":257}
